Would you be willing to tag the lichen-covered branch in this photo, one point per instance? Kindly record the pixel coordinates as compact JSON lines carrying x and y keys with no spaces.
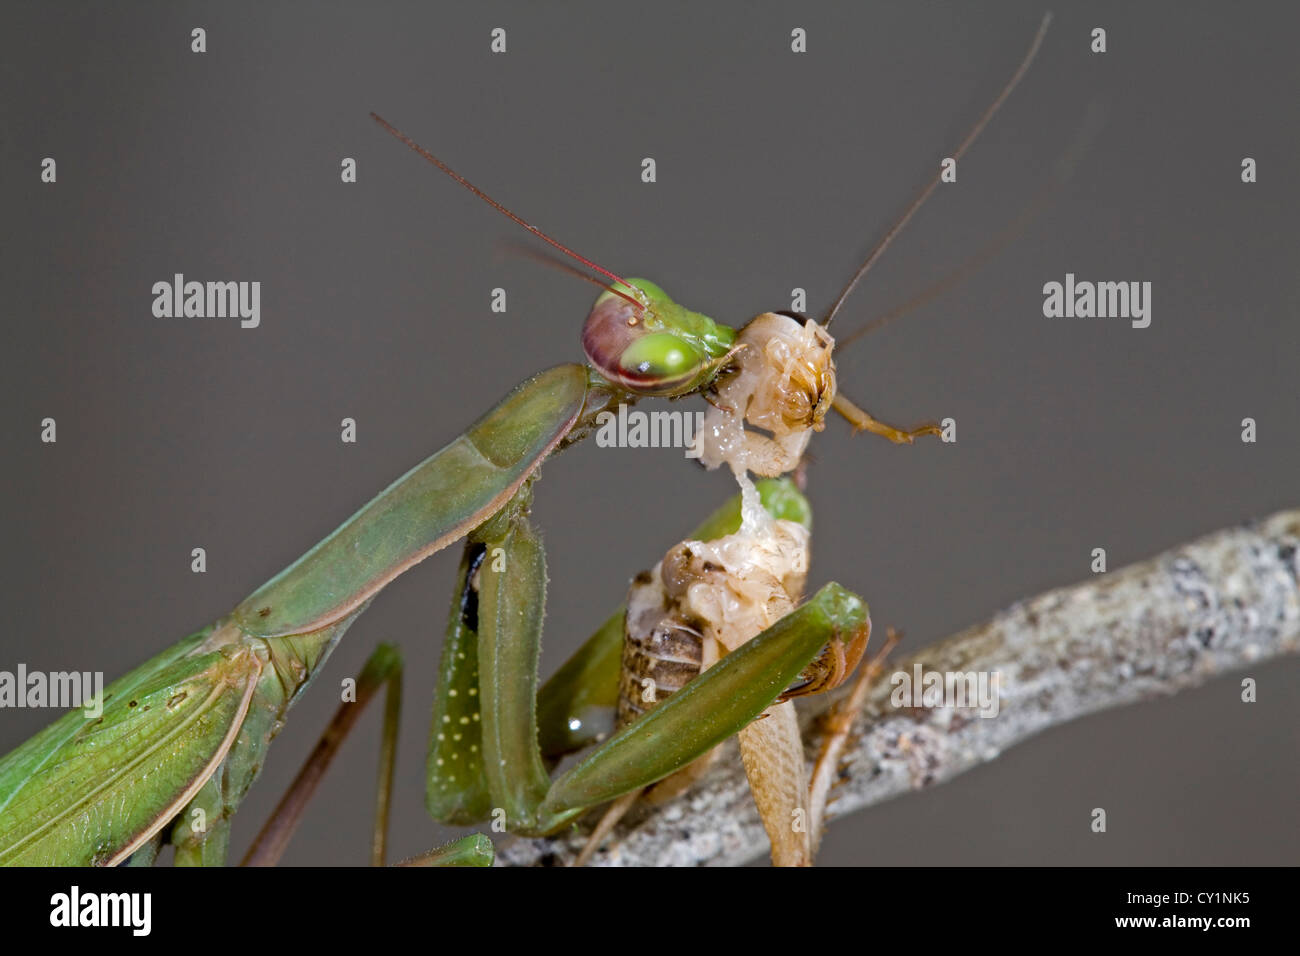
{"x":1196,"y":612}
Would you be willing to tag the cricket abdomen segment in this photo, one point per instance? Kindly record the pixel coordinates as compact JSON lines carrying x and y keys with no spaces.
{"x":661,"y":653}
{"x":704,"y":599}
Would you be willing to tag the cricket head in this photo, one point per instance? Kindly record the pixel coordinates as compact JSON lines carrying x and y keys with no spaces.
{"x":790,"y":359}
{"x":641,"y":340}
{"x":774,"y":394}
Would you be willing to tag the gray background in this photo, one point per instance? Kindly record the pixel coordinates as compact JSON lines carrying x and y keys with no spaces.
{"x":775,"y":171}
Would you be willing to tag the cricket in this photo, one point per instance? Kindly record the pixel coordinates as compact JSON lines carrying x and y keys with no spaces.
{"x":715,"y":639}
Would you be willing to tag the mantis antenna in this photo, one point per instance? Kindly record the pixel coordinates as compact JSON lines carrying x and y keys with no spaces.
{"x":519,"y":220}
{"x":924,"y":194}
{"x":552,"y":262}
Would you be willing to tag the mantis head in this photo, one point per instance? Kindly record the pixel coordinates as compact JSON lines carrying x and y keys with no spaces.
{"x":644,"y":342}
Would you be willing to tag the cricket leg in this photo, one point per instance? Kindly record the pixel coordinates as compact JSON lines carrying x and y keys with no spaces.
{"x":772,"y":751}
{"x":382,"y":669}
{"x":605,"y":827}
{"x":657,"y":793}
{"x":862,"y":421}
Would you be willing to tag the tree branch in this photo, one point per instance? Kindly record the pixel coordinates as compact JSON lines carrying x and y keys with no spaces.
{"x":1188,"y":615}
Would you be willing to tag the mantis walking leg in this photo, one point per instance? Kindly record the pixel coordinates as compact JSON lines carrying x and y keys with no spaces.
{"x":472,"y":850}
{"x":383,"y":669}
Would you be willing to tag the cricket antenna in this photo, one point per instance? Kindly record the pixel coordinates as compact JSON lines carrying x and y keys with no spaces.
{"x":503,"y":210}
{"x":924,"y":194}
{"x":1063,"y":171}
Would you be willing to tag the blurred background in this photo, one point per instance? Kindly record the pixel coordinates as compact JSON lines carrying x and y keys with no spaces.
{"x":775,"y":170}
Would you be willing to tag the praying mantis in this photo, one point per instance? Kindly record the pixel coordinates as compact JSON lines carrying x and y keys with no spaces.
{"x":182,"y":737}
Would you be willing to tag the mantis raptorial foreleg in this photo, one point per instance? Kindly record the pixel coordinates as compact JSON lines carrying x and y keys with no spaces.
{"x":708,"y":599}
{"x":793,"y":815}
{"x":483,"y":750}
{"x":575,"y":706}
{"x":457,"y":787}
{"x":500,"y":590}
{"x":838,"y":724}
{"x":710,"y":708}
{"x":688,"y":724}
{"x":512,"y":596}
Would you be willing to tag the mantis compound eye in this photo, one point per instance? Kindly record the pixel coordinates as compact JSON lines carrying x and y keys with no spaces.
{"x":660,"y":357}
{"x":654,"y":349}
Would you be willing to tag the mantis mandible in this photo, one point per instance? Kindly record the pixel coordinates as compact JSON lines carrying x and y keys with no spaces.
{"x":182,"y":737}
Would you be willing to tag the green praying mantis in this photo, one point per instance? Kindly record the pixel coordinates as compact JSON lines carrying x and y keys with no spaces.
{"x":182,"y":737}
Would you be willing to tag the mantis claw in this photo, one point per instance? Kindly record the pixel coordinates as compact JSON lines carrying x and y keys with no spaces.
{"x":832,"y":666}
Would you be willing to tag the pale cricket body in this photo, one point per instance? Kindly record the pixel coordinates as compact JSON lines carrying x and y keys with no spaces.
{"x":706,"y":599}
